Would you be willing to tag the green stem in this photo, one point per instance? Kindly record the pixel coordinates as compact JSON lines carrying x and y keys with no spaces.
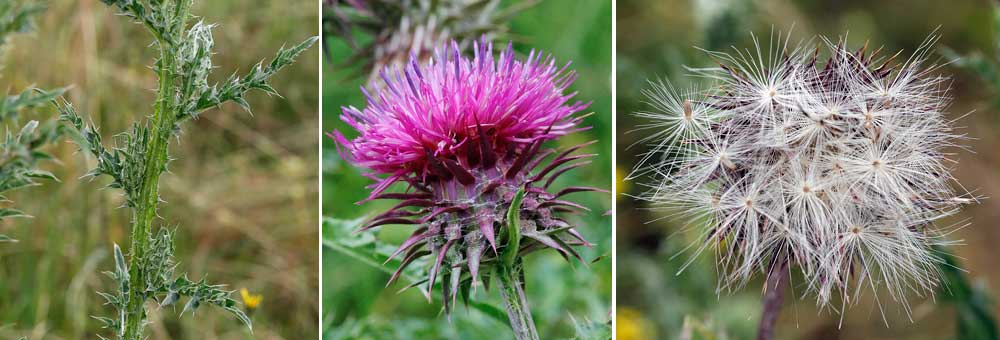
{"x":515,"y":302}
{"x":145,"y":212}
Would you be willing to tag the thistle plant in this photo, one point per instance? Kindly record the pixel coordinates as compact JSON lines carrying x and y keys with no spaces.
{"x":399,"y":29}
{"x":138,"y":158}
{"x":462,"y":142}
{"x":21,"y":151}
{"x":835,"y":166}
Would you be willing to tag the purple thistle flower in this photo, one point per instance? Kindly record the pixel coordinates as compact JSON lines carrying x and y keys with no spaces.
{"x":465,"y":135}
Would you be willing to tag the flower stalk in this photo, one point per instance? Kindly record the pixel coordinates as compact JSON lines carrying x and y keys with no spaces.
{"x":774,"y":296}
{"x":515,"y":301}
{"x":510,"y":276}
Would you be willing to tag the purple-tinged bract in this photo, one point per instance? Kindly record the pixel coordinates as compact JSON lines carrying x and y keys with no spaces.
{"x":466,"y":135}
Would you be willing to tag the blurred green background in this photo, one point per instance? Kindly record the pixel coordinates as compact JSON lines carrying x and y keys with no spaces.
{"x":354,"y":301}
{"x":242,"y":191}
{"x":657,"y":38}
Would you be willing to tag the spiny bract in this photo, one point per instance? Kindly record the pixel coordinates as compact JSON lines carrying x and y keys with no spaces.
{"x":465,"y":135}
{"x":839,"y":167}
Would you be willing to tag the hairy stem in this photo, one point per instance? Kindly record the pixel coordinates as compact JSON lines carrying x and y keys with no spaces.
{"x":516,"y":303}
{"x":774,"y":295}
{"x":156,"y":161}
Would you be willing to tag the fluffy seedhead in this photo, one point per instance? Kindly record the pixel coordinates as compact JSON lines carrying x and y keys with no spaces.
{"x":21,"y":149}
{"x":138,"y":157}
{"x":399,"y":29}
{"x":465,"y":136}
{"x":837,"y":165}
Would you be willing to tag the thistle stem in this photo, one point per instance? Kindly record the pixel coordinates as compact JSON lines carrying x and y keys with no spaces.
{"x":774,"y":295}
{"x":145,"y":213}
{"x":163,"y":121}
{"x":515,"y":302}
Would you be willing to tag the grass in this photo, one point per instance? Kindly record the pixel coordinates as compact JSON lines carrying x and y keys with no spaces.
{"x":233,"y":223}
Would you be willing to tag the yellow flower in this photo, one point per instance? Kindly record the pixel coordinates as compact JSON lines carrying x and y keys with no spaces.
{"x":630,"y":325}
{"x":251,"y":301}
{"x":621,"y":185}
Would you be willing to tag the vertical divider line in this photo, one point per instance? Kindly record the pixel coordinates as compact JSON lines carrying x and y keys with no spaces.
{"x":319,"y":170}
{"x":614,"y":165}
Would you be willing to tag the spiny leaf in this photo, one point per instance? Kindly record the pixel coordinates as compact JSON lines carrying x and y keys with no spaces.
{"x":235,"y":87}
{"x":21,"y":152}
{"x":27,"y":99}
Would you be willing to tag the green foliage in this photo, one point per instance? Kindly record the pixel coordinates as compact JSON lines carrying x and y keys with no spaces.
{"x":590,"y":330}
{"x":15,"y":17}
{"x":138,"y":158}
{"x":976,"y":319}
{"x":123,"y":162}
{"x":160,"y":282}
{"x":20,"y":152}
{"x":984,"y":65}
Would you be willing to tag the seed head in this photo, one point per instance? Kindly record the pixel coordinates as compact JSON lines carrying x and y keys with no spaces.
{"x":837,"y":166}
{"x":465,"y":135}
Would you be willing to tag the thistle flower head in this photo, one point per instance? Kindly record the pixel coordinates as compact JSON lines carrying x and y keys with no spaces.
{"x":466,"y":135}
{"x":837,"y":166}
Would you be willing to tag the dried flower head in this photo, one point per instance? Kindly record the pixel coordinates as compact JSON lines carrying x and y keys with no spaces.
{"x":401,"y":28}
{"x":837,"y":166}
{"x":465,"y":136}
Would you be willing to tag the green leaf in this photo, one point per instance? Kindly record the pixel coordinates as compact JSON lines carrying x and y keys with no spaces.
{"x":244,"y":319}
{"x":11,"y":213}
{"x":120,"y":265}
{"x":513,"y":230}
{"x":42,"y":174}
